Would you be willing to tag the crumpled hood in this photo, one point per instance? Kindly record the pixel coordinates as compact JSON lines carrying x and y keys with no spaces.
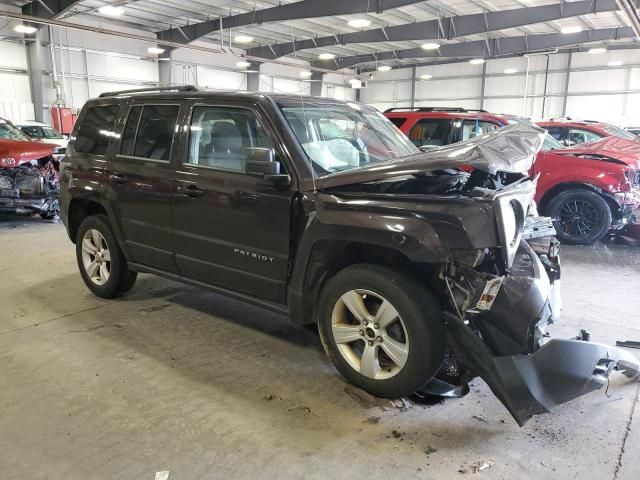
{"x":618,"y":149}
{"x":17,"y":152}
{"x":509,"y":149}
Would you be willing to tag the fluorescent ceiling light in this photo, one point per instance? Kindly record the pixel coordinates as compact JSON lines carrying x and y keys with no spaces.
{"x":430,"y":46}
{"x":597,"y":50}
{"x":477,"y":61}
{"x":426,"y":76}
{"x":571,"y":29}
{"x":305,"y":74}
{"x":25,"y":29}
{"x":615,"y":63}
{"x":359,"y":23}
{"x":509,"y":71}
{"x":384,"y":68}
{"x":243,"y":64}
{"x":155,"y":50}
{"x":326,"y":56}
{"x":243,"y":39}
{"x":111,"y":10}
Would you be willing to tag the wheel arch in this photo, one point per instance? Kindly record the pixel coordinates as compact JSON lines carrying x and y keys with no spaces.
{"x":78,"y":210}
{"x":327,"y":257}
{"x":563,"y":187}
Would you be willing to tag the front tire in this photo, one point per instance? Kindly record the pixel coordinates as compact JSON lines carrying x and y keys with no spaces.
{"x":381,"y":329}
{"x":101,"y":262}
{"x":580,"y":216}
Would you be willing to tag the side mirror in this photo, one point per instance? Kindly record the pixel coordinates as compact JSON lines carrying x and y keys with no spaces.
{"x":261,"y":163}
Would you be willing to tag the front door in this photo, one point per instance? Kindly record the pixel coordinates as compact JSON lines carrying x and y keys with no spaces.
{"x":231,"y":229}
{"x":142,"y":182}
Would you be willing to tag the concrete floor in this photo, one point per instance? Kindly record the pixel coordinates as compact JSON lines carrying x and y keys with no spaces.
{"x":171,"y":378}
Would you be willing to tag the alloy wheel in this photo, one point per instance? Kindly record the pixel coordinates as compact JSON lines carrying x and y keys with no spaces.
{"x":370,"y":334}
{"x":577,"y":217}
{"x":96,"y":258}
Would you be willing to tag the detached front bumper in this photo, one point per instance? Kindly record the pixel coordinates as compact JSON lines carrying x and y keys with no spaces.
{"x":505,"y":345}
{"x":560,"y":371}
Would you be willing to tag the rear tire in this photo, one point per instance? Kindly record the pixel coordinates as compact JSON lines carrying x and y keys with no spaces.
{"x":400,"y":342}
{"x":100,"y":260}
{"x":580,"y":216}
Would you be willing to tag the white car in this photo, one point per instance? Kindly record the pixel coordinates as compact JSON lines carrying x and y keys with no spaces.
{"x":42,"y":132}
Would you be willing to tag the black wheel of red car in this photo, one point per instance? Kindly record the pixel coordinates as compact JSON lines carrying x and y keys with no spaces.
{"x":381,"y":329}
{"x":580,"y":216}
{"x":101,"y":262}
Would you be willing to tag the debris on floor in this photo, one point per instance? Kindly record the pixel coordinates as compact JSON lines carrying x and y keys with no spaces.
{"x":480,"y":418}
{"x":372,"y":420}
{"x":430,"y":450}
{"x":627,"y":344}
{"x":481,"y":466}
{"x":366,"y":400}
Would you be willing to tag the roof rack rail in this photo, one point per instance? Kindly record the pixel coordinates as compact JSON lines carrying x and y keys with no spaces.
{"x":434,"y":109}
{"x":178,"y":88}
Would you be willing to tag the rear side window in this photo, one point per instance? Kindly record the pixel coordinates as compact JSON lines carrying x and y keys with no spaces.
{"x":397,"y":121}
{"x":155,"y":132}
{"x":577,"y":135}
{"x":431,"y":131}
{"x":97,"y":129}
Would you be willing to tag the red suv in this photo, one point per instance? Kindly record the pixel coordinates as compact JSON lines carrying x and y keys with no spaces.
{"x":589,"y":190}
{"x":572,"y":132}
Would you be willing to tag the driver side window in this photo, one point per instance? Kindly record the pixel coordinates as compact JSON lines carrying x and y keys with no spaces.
{"x":220,"y":136}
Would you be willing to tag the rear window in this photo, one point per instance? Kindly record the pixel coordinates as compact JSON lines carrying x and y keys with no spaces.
{"x":96,"y":129}
{"x":397,"y":121}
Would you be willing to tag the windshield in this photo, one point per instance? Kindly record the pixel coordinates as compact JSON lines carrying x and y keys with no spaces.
{"x":9,"y":132}
{"x":618,"y":132}
{"x":340,"y":137}
{"x":551,"y":143}
{"x":37,"y":131}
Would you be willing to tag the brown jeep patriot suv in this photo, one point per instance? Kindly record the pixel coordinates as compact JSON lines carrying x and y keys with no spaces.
{"x":419,"y":275}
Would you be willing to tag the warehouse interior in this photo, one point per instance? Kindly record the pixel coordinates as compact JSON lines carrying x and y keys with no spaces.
{"x":174,"y":381}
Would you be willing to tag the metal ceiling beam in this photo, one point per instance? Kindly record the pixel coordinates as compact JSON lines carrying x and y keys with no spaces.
{"x":630,"y":46}
{"x":48,"y":8}
{"x":445,"y":28}
{"x":496,"y":47}
{"x":291,"y":11}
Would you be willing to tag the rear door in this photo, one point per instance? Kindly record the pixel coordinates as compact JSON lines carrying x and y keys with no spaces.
{"x":141,"y":177}
{"x":231,"y":229}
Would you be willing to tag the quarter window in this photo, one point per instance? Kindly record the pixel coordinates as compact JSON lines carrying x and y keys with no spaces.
{"x":220,"y":137}
{"x":555,"y":132}
{"x":397,"y":121}
{"x":96,"y":129}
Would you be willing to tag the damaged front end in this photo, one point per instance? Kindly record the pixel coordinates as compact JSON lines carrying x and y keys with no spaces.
{"x":30,"y":187}
{"x":501,"y":301}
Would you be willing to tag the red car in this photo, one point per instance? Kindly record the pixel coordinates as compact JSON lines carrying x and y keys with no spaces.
{"x":573,"y":132}
{"x":29,"y":181}
{"x":588,"y":190}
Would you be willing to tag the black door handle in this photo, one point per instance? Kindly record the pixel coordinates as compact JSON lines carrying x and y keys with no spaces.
{"x":190,"y":191}
{"x":118,"y":178}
